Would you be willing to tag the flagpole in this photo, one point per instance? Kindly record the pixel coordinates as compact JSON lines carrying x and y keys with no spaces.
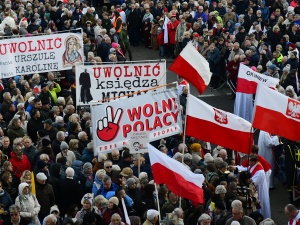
{"x":248,"y":168}
{"x":186,"y":107}
{"x":157,"y":200}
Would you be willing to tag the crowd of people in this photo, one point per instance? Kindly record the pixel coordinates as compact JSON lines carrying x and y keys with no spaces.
{"x":50,"y":173}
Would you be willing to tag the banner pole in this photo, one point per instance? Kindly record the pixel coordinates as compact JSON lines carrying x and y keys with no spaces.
{"x":139,"y":164}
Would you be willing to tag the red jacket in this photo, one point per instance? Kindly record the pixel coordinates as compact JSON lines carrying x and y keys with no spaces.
{"x":160,"y":38}
{"x":233,"y":69}
{"x":19,"y":165}
{"x":172,"y":31}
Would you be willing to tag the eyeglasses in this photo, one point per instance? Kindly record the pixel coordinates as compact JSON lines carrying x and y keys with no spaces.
{"x":108,"y":167}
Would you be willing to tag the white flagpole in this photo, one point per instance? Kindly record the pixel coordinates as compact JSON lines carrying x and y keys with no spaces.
{"x":157,"y":200}
{"x":127,"y":220}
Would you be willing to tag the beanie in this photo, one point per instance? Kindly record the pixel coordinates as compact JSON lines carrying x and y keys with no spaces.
{"x":87,"y":166}
{"x":151,"y":213}
{"x":41,"y":164}
{"x":70,"y":172}
{"x":89,"y":197}
{"x":195,"y":147}
{"x":208,"y":158}
{"x":114,"y":200}
{"x":130,"y":182}
{"x":143,"y":175}
{"x":46,"y":142}
{"x":220,"y":189}
{"x":64,"y":145}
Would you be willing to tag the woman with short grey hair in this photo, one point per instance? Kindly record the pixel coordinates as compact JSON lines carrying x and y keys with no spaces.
{"x":204,"y":219}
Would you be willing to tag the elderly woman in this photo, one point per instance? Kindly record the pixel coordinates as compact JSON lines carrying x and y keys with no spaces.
{"x":73,"y":146}
{"x":87,"y":206}
{"x":290,"y":92}
{"x":53,"y":89}
{"x":116,"y":220}
{"x":100,"y":174}
{"x":204,"y":219}
{"x":100,"y":205}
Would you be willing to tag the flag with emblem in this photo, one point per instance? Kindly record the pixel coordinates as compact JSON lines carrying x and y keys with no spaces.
{"x":276,"y":113}
{"x":210,"y":124}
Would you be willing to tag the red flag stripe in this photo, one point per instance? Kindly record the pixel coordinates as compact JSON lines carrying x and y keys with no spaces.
{"x":246,"y":86}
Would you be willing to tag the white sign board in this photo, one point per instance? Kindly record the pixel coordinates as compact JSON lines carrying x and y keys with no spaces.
{"x":40,"y":54}
{"x":157,"y":114}
{"x":138,"y":142}
{"x":108,"y":81}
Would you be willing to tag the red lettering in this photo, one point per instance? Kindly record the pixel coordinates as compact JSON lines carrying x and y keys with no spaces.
{"x":30,"y":47}
{"x":97,"y":72}
{"x":134,"y":113}
{"x":41,"y":45}
{"x":120,"y":71}
{"x":50,"y":44}
{"x":137,"y":71}
{"x":174,"y":103}
{"x":24,"y":46}
{"x":147,"y":74}
{"x":166,"y":105}
{"x":126,"y":72}
{"x":164,"y":119}
{"x":136,"y":124}
{"x":126,"y":129}
{"x":107,"y":71}
{"x":147,"y":113}
{"x":174,"y":115}
{"x":12,"y":47}
{"x":148,"y":128}
{"x":157,"y":111}
{"x":57,"y":43}
{"x":157,"y":123}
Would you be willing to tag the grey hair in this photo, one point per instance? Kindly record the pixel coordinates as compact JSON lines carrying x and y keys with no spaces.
{"x":60,"y":99}
{"x":52,"y":217}
{"x":181,"y":146}
{"x":80,"y":134}
{"x":85,"y":115}
{"x":236,"y":203}
{"x":5,"y":94}
{"x":44,"y":156}
{"x":60,"y":134}
{"x":204,"y":216}
{"x":20,"y":105}
{"x":14,"y":207}
{"x":54,"y":108}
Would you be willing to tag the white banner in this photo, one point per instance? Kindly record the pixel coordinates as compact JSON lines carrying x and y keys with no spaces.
{"x":138,"y":142}
{"x":39,"y":54}
{"x":157,"y":113}
{"x":100,"y":82}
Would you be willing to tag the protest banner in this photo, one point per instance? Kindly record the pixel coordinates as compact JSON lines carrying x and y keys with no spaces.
{"x":157,"y":113}
{"x":40,"y":54}
{"x":106,"y":81}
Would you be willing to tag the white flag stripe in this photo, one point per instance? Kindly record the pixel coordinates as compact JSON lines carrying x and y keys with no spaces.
{"x":157,"y":157}
{"x":201,"y":110}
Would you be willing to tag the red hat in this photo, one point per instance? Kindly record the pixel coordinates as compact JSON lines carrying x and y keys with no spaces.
{"x":196,"y":35}
{"x":292,"y":45}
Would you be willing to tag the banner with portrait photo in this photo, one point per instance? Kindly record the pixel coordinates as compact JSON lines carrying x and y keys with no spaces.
{"x":40,"y":54}
{"x":108,"y":81}
{"x":157,"y":113}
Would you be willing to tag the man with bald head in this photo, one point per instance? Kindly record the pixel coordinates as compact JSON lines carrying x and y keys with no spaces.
{"x":115,"y":156}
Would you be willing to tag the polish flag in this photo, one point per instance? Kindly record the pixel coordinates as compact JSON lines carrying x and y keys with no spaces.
{"x":193,"y":67}
{"x":179,"y":179}
{"x":276,"y":113}
{"x":217,"y":126}
{"x":248,"y":80}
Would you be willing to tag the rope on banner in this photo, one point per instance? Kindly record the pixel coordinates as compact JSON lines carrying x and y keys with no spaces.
{"x":138,"y":92}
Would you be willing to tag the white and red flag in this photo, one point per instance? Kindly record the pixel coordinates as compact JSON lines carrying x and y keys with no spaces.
{"x":179,"y":179}
{"x":217,"y":126}
{"x":248,"y":80}
{"x":276,"y":113}
{"x":193,"y":67}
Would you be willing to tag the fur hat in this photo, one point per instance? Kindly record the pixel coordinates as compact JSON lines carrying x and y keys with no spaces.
{"x":114,"y":200}
{"x":151,"y":213}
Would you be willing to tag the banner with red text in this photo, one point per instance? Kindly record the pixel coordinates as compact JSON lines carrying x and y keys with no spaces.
{"x":107,"y":81}
{"x":39,"y":54}
{"x":157,"y":113}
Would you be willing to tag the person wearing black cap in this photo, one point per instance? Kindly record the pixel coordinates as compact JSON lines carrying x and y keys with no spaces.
{"x":34,"y":124}
{"x":45,"y":111}
{"x":293,"y":60}
{"x":45,"y":95}
{"x":52,"y":131}
{"x":240,"y":36}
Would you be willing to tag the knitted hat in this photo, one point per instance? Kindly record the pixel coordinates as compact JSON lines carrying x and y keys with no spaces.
{"x":208,"y":158}
{"x":46,"y":142}
{"x":87,"y":166}
{"x":177,"y":155}
{"x":101,"y":157}
{"x":268,"y":63}
{"x":49,"y":83}
{"x":187,"y":156}
{"x":235,"y":223}
{"x":151,"y":213}
{"x":292,"y":45}
{"x":89,"y":197}
{"x":220,"y":189}
{"x":273,"y":67}
{"x":64,"y":145}
{"x":53,"y":209}
{"x":294,"y":53}
{"x":143,"y":175}
{"x":70,"y":172}
{"x":130,"y":182}
{"x":41,"y":176}
{"x":114,"y":45}
{"x":259,"y":67}
{"x":114,"y":200}
{"x":41,"y":164}
{"x":112,"y":30}
{"x":112,"y":50}
{"x":195,"y":147}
